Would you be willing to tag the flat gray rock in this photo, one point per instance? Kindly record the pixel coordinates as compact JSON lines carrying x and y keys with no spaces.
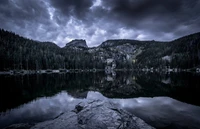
{"x":96,"y":114}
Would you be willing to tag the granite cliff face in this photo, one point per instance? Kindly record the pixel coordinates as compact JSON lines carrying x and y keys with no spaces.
{"x":77,"y":43}
{"x":182,"y":53}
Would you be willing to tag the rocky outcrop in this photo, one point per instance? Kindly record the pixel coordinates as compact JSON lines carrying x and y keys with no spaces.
{"x":77,"y":43}
{"x":95,"y":114}
{"x":117,"y":42}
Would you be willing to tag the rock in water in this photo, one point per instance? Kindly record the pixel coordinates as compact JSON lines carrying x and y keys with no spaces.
{"x":96,"y":114}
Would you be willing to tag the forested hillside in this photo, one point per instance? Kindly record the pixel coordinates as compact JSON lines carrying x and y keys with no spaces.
{"x":19,"y":53}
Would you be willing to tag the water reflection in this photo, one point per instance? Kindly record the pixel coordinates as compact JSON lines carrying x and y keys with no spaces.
{"x":163,"y":112}
{"x":18,"y":90}
{"x":39,"y":110}
{"x":160,"y":112}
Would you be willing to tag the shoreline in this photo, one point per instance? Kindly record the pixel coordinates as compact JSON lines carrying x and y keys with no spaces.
{"x":50,"y":71}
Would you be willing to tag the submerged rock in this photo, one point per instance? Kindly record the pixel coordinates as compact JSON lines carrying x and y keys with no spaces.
{"x":96,"y":114}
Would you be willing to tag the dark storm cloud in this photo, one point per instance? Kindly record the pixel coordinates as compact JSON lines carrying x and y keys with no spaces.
{"x":22,"y":11}
{"x":154,"y":15}
{"x":65,"y":9}
{"x":25,"y":17}
{"x":78,"y":8}
{"x":97,"y":20}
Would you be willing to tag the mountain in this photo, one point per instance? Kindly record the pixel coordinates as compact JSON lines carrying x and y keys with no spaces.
{"x":77,"y":43}
{"x":17,"y":52}
{"x":180,"y":53}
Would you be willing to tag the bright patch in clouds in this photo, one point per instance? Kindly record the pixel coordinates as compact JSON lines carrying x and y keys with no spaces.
{"x":61,"y":21}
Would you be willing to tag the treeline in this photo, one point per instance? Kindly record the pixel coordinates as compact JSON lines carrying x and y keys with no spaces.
{"x":17,"y":52}
{"x":182,"y":53}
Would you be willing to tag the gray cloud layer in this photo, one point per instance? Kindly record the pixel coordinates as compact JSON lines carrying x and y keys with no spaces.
{"x":60,"y":21}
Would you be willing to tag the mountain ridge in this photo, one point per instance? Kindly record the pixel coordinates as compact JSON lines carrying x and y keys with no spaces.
{"x":109,"y":40}
{"x":17,"y":52}
{"x":77,"y":43}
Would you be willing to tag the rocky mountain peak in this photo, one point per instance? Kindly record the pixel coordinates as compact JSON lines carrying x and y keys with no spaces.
{"x":77,"y":43}
{"x":117,"y":42}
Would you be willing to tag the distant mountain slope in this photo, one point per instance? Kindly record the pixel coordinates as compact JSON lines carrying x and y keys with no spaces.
{"x":17,"y":52}
{"x":77,"y":43}
{"x":180,"y":53}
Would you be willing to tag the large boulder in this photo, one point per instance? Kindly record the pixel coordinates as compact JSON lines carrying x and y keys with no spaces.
{"x":95,"y":114}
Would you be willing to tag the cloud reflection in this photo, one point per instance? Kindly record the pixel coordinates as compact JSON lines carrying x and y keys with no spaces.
{"x":39,"y":110}
{"x":159,"y":112}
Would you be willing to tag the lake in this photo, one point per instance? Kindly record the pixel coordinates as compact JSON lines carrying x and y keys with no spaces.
{"x":39,"y":97}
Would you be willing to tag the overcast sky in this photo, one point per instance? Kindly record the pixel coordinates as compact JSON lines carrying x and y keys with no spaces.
{"x":61,"y":21}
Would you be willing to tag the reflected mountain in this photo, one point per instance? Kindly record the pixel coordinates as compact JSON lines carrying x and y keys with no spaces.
{"x":21,"y":89}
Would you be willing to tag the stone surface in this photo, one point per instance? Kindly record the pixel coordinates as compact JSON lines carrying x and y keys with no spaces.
{"x":77,"y":43}
{"x":20,"y":126}
{"x":95,"y":114}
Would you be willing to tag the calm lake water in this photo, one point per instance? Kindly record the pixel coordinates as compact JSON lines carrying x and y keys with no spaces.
{"x":35,"y":98}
